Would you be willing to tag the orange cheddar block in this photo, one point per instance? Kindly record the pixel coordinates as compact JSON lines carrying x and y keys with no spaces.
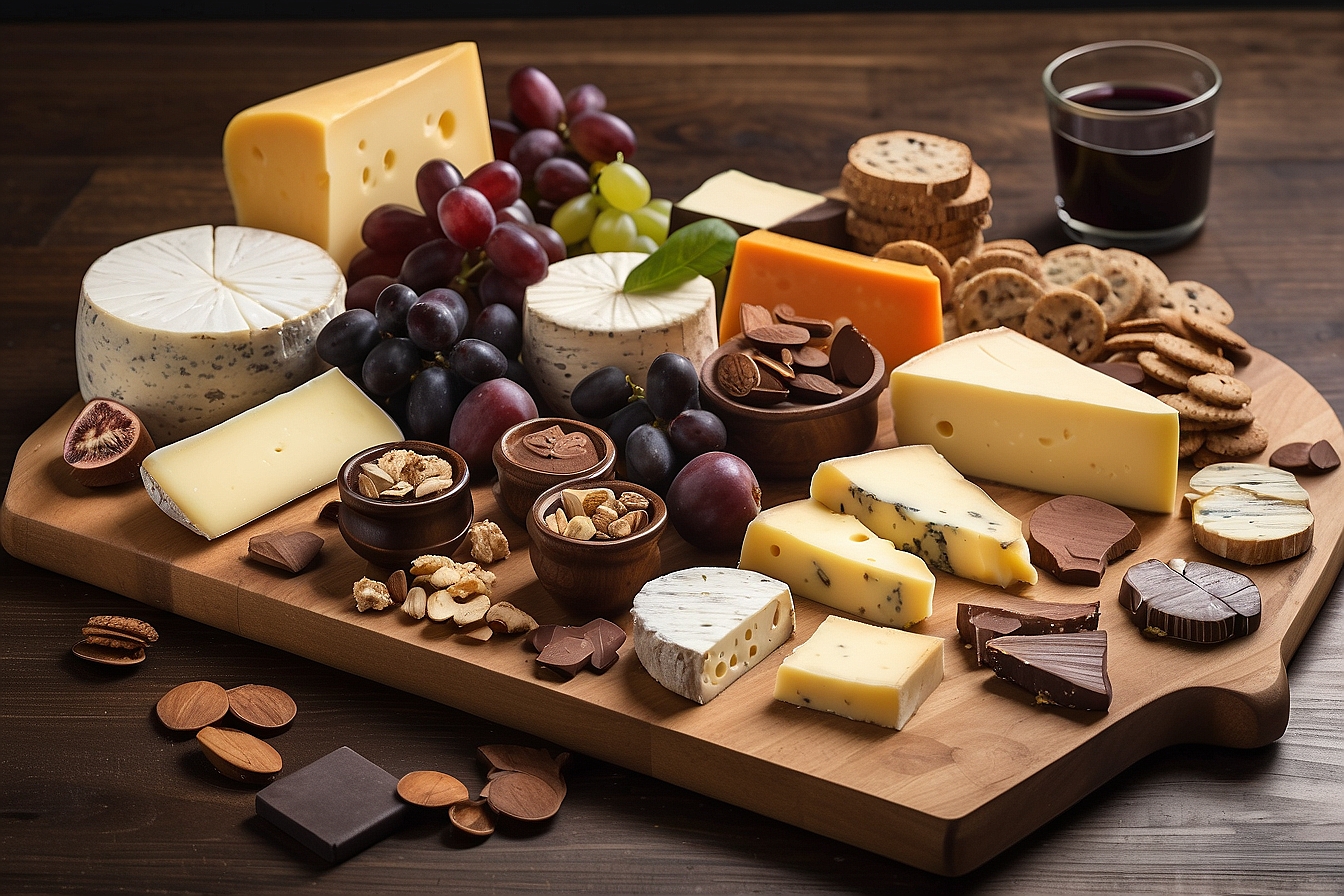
{"x":895,"y":305}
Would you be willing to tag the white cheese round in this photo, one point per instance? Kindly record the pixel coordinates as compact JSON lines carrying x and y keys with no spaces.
{"x":579,"y":319}
{"x":191,"y":327}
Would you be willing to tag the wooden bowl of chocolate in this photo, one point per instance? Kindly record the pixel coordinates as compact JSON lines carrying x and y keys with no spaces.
{"x":595,"y":544}
{"x":539,"y":454}
{"x":401,"y":500}
{"x":789,"y":404}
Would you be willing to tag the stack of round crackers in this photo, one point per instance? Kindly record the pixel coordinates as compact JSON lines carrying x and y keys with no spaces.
{"x":904,"y":185}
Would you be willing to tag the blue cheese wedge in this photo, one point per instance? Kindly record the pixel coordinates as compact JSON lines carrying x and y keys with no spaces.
{"x":698,"y":630}
{"x":915,"y":499}
{"x":191,"y":327}
{"x":1250,"y":513}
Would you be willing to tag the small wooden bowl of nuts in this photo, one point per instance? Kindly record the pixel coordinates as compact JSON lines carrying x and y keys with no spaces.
{"x":595,"y":544}
{"x":544,"y":452}
{"x":402,"y":500}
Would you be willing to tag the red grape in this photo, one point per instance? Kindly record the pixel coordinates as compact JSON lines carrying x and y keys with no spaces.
{"x":518,"y":213}
{"x":550,"y":241}
{"x":482,"y":417}
{"x":432,"y":265}
{"x":435,"y":177}
{"x":534,"y":99}
{"x":396,"y":229}
{"x":503,"y":134}
{"x":583,"y":98}
{"x":364,"y":292}
{"x":712,"y":500}
{"x":532,"y":148}
{"x":517,"y":254}
{"x":467,"y":216}
{"x":695,"y":432}
{"x":367,"y":262}
{"x":498,"y":181}
{"x":560,"y":179}
{"x":598,"y":136}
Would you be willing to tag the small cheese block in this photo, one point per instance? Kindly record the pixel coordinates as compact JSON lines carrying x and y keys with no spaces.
{"x":747,"y":203}
{"x":229,"y":475}
{"x":915,"y":499}
{"x":835,"y":560}
{"x":189,"y":327}
{"x":1001,"y":406}
{"x":314,"y":163}
{"x":1250,"y":513}
{"x":580,"y":319}
{"x":897,"y":306}
{"x":698,"y":630}
{"x":862,"y":672}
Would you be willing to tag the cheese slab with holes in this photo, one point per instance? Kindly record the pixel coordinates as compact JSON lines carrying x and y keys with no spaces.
{"x":835,"y":560}
{"x":863,"y":672}
{"x":1000,"y":406}
{"x":698,"y":630}
{"x":915,"y":499}
{"x":315,"y":162}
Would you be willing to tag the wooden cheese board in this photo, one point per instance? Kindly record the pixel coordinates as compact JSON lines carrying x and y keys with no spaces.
{"x":979,"y":767}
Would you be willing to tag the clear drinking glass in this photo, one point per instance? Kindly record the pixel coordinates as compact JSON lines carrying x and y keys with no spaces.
{"x":1132,"y":128}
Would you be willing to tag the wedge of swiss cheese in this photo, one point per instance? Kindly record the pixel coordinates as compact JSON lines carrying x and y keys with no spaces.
{"x":999,"y":406}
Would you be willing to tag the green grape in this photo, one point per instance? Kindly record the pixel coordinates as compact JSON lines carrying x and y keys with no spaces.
{"x":651,"y":223}
{"x":595,"y":169}
{"x":624,"y":186}
{"x":613,"y":231}
{"x":574,"y":218}
{"x":662,"y":206}
{"x":645,"y":244}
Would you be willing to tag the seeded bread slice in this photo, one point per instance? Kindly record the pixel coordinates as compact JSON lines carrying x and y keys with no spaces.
{"x":908,"y":163}
{"x":884,"y":207}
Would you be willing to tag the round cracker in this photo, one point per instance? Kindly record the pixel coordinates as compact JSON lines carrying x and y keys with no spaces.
{"x":1220,"y":389}
{"x":916,"y":252}
{"x":985,"y":259}
{"x":1063,"y":266}
{"x":1198,"y":299}
{"x":1068,"y":322}
{"x":1022,"y":246}
{"x":1164,"y":370}
{"x":1205,"y":327}
{"x":999,"y":297}
{"x":1241,"y":441}
{"x":1185,"y":352}
{"x":1154,"y":278}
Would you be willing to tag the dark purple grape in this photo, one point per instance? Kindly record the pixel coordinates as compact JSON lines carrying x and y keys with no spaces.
{"x":560,"y":179}
{"x":532,"y":148}
{"x":367,"y":262}
{"x":477,"y":361}
{"x":696,"y":432}
{"x":396,"y":229}
{"x":435,"y":177}
{"x":601,"y":393}
{"x":583,"y":98}
{"x":364,"y":293}
{"x":503,"y":134}
{"x":627,"y":420}
{"x":496,"y":288}
{"x":483,"y":416}
{"x":429,"y":406}
{"x":598,"y":136}
{"x":498,"y":325}
{"x":649,"y":458}
{"x":672,"y":385}
{"x":498,"y":181}
{"x":431,"y":322}
{"x":348,"y":337}
{"x":712,"y":500}
{"x":550,"y":241}
{"x":467,"y":216}
{"x":518,"y":213}
{"x":542,"y":210}
{"x":455,"y":303}
{"x":395,"y":406}
{"x":391,"y":308}
{"x":516,"y":254}
{"x":390,"y":366}
{"x":534,"y":99}
{"x":432,"y":265}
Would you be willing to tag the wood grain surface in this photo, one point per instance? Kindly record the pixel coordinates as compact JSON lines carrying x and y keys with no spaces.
{"x":112,"y":132}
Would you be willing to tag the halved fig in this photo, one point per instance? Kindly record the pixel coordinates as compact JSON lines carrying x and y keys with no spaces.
{"x":106,"y":444}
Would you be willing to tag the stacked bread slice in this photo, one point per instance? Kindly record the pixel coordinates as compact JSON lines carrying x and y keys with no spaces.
{"x":904,"y":185}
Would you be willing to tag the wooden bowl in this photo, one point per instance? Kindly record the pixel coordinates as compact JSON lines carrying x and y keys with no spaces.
{"x":789,"y":439}
{"x":522,"y":473}
{"x":392,"y":533}
{"x":595,"y":578}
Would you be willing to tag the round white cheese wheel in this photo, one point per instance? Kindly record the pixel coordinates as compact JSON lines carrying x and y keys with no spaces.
{"x":191,"y":327}
{"x":579,"y":319}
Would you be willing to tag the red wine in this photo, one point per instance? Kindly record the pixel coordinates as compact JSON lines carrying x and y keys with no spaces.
{"x":1111,"y":178}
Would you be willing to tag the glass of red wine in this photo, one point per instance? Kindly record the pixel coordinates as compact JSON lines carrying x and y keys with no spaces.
{"x":1132,"y":128}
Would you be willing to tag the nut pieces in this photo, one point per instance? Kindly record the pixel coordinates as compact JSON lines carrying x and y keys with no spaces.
{"x":597,"y":514}
{"x":402,"y":473}
{"x":488,"y":543}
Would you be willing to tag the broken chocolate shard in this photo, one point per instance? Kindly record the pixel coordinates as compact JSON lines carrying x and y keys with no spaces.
{"x":1073,"y":538}
{"x":1066,"y":670}
{"x":852,"y":358}
{"x":1204,"y":604}
{"x":566,"y":654}
{"x":1322,"y":457}
{"x":989,"y":625}
{"x":1034,"y":617}
{"x":606,"y":637}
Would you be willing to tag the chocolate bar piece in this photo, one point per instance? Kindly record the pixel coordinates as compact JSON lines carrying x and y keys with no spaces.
{"x":1203,"y":603}
{"x":1034,"y":617}
{"x":1065,"y":670}
{"x":1073,"y":538}
{"x":337,"y":806}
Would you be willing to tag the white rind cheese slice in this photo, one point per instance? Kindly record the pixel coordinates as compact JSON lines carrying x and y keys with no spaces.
{"x":915,"y":499}
{"x":739,"y":197}
{"x":580,"y":319}
{"x":698,"y":630}
{"x":220,"y":479}
{"x":190,"y":327}
{"x":862,"y":672}
{"x":1000,"y":406}
{"x":835,"y":560}
{"x":1250,"y":513}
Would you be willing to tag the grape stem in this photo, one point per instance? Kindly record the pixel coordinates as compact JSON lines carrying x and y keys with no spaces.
{"x":636,"y":391}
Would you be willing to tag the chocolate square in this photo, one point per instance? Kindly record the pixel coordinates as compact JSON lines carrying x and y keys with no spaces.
{"x":337,"y":806}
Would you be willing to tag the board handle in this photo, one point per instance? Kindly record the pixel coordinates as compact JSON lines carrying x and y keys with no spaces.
{"x":1248,"y":711}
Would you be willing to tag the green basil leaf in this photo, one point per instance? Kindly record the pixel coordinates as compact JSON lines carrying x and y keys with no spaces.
{"x":702,"y":248}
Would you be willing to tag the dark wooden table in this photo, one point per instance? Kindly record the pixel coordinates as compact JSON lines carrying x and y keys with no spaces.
{"x":110,"y":132}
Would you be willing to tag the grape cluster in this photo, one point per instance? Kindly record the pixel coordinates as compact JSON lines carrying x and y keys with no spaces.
{"x":657,"y":429}
{"x":573,"y":156}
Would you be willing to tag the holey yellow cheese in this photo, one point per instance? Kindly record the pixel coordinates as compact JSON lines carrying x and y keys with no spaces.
{"x":1000,"y":406}
{"x":835,"y":560}
{"x":229,"y":475}
{"x":314,"y":163}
